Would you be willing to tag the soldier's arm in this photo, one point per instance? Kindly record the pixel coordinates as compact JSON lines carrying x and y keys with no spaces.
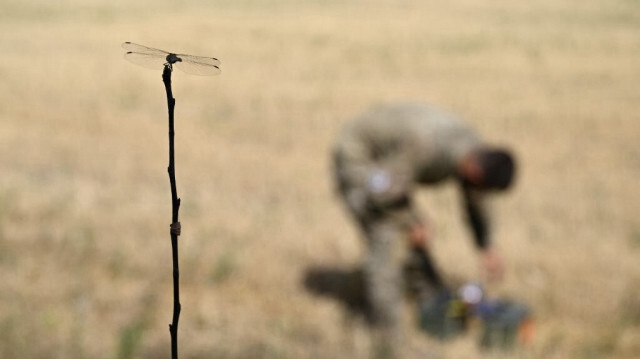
{"x":477,"y":216}
{"x":388,"y":184}
{"x":376,"y":169}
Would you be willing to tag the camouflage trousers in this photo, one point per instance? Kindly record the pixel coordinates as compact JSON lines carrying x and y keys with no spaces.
{"x":384,"y":283}
{"x":386,"y":229}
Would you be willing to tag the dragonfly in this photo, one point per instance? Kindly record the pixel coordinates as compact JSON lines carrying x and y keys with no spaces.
{"x":157,"y":59}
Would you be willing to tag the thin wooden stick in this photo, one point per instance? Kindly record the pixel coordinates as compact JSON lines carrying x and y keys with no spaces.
{"x":175,"y":224}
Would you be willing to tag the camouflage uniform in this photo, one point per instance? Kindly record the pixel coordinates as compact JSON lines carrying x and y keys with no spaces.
{"x":379,"y":158}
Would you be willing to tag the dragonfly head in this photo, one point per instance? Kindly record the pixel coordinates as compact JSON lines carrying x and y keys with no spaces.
{"x":173,"y":58}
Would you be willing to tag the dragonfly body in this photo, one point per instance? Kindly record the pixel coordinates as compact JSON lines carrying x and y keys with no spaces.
{"x":157,"y":59}
{"x":173,"y":58}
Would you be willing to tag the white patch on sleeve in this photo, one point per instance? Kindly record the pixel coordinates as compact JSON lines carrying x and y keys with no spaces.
{"x":379,"y":181}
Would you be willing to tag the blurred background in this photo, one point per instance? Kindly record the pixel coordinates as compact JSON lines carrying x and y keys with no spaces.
{"x":85,"y":205}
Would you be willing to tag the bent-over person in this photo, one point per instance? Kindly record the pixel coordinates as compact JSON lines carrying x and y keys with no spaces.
{"x":380,"y":158}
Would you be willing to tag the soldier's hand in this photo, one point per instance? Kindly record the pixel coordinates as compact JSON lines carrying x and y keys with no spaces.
{"x":493,"y":265}
{"x":418,"y":236}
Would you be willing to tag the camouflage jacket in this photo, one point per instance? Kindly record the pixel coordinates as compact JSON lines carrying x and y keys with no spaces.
{"x":381,"y":155}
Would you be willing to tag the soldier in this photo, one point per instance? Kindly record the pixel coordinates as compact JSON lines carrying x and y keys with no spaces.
{"x":379,"y":159}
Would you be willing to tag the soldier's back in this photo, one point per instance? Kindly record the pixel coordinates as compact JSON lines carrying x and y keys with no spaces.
{"x":429,"y":139}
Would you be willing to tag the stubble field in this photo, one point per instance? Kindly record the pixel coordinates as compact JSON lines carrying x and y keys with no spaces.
{"x":85,"y":202}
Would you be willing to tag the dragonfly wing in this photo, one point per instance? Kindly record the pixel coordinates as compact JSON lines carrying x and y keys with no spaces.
{"x":131,"y":47}
{"x":198,"y":65}
{"x":146,"y":60}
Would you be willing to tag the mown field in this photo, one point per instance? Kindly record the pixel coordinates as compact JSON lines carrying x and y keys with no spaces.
{"x":85,"y":266}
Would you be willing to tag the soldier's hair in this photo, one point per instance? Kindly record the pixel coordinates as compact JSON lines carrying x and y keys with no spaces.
{"x":498,"y":168}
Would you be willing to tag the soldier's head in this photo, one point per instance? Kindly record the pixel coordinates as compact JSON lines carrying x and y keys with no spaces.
{"x":488,"y":169}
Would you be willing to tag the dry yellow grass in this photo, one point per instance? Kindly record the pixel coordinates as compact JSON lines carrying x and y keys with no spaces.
{"x":85,"y":203}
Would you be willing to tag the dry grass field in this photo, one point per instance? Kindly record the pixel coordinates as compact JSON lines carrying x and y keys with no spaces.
{"x":84,"y":195}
